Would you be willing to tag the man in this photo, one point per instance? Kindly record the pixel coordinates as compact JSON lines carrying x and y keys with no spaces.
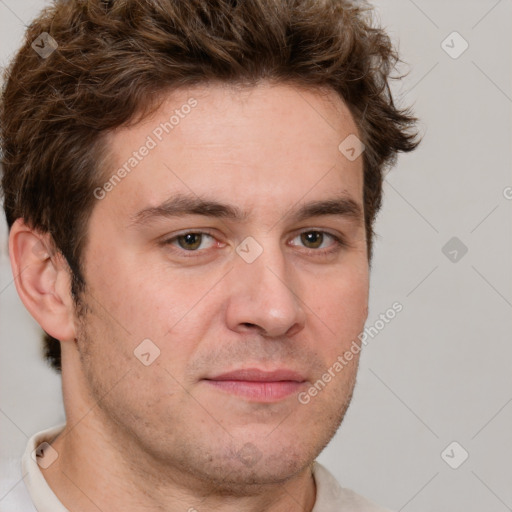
{"x":190,"y":189}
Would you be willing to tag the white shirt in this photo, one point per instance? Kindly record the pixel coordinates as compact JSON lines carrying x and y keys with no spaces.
{"x":23,"y":487}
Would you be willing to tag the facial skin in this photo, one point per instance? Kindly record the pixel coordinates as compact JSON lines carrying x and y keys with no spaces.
{"x":163,"y":436}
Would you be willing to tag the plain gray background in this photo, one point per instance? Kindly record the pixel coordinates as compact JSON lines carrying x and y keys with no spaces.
{"x":441,"y":371}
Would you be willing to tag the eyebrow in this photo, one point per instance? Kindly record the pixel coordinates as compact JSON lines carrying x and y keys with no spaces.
{"x":183,"y":205}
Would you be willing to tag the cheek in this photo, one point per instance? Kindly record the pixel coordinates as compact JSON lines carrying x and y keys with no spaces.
{"x":342,"y":302}
{"x":132,"y":297}
{"x":341,"y":311}
{"x":132,"y":302}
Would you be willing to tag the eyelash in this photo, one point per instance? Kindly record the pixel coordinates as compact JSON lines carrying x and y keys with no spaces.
{"x":339,"y":243}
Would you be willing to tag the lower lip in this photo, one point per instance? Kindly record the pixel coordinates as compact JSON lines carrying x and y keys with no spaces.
{"x":259,"y":391}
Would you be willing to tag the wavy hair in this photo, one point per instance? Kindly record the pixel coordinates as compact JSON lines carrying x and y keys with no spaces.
{"x":116,"y":60}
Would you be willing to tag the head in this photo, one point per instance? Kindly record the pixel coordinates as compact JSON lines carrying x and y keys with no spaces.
{"x":178,"y":172}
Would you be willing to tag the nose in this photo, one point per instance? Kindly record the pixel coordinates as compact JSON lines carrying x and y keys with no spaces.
{"x":263,"y":297}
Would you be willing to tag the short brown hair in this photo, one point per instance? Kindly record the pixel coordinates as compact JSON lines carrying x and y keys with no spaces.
{"x":115,"y":58}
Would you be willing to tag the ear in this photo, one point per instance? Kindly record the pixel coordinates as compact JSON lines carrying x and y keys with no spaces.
{"x":43,"y":280}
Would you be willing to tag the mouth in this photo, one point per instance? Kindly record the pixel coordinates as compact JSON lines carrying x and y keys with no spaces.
{"x":259,"y":385}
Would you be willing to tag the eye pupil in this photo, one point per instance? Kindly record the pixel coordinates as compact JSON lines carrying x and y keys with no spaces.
{"x":190,"y":241}
{"x":312,"y":239}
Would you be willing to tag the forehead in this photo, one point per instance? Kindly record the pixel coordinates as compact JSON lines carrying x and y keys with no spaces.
{"x":260,"y":145}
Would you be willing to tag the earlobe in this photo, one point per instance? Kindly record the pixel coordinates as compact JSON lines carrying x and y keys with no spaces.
{"x":42,"y":279}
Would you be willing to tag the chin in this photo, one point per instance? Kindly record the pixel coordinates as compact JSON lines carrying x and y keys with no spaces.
{"x":238,"y":479}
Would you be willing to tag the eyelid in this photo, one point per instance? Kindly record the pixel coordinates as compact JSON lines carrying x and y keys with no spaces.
{"x":339,"y":241}
{"x":168,"y":240}
{"x":199,"y":231}
{"x":338,"y":238}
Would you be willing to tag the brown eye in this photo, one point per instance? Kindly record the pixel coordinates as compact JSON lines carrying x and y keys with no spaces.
{"x":312,"y":239}
{"x":190,"y":241}
{"x":318,"y":242}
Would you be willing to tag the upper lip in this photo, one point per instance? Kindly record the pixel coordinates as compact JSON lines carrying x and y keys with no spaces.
{"x":257,"y":375}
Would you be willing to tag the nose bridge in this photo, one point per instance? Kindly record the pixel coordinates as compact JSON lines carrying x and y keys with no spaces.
{"x":263,"y":292}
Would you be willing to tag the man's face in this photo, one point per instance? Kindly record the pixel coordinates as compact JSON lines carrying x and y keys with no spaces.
{"x":261,"y":163}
